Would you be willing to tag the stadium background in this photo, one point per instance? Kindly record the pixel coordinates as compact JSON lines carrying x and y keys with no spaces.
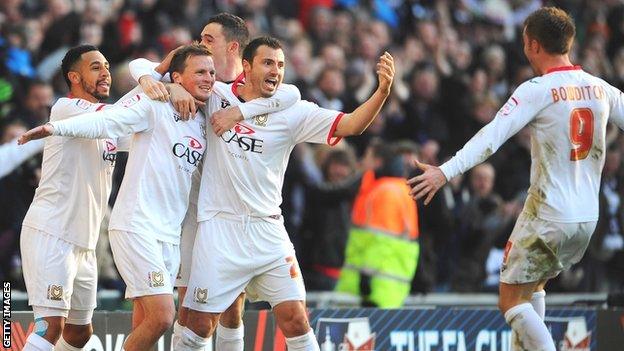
{"x":457,"y":62}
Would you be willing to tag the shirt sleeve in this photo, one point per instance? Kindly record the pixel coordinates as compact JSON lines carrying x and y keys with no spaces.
{"x":313,"y":124}
{"x":143,"y":67}
{"x":132,"y":116}
{"x":13,"y":155}
{"x":517,"y":112}
{"x":286,"y":96}
{"x":616,"y":100}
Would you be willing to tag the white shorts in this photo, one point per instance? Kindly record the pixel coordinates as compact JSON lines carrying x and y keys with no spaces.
{"x":187,"y":239}
{"x":234,"y":253}
{"x":148,"y":266}
{"x":58,"y":274}
{"x":538,"y":249}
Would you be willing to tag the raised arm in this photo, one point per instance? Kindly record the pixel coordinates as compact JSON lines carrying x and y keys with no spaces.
{"x":518,"y":111}
{"x":114,"y":122}
{"x":356,"y":122}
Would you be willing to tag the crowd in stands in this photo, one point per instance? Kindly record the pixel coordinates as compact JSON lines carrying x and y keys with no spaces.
{"x":457,"y":62}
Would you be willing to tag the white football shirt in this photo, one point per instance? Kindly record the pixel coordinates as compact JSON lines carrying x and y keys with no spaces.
{"x":165,"y":152}
{"x":567,"y":111}
{"x":244,"y":171}
{"x":75,"y":181}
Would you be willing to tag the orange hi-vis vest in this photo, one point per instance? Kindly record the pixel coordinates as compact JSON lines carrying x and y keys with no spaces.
{"x":382,"y":241}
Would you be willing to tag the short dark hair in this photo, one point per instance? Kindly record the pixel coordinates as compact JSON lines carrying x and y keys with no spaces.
{"x":252,"y":47}
{"x":178,"y":61}
{"x":553,"y":28}
{"x":234,"y":29}
{"x":72,"y":56}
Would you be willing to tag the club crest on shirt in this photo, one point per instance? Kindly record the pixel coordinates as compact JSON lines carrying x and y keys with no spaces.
{"x":156,"y":279}
{"x":200,"y":295}
{"x":110,"y":154}
{"x":176,"y":117}
{"x":261,"y":120}
{"x":224,"y":103}
{"x":55,"y":292}
{"x":509,"y":106}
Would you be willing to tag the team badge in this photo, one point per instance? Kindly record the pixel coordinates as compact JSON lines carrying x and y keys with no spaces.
{"x":509,"y":106}
{"x":201,"y":295}
{"x":224,"y":103}
{"x":261,"y":120}
{"x":176,"y":117}
{"x":156,"y":279}
{"x":55,"y":292}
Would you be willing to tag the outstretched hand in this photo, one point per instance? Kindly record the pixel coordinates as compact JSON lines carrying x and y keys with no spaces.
{"x":428,"y":183}
{"x":40,"y":132}
{"x":225,"y":119}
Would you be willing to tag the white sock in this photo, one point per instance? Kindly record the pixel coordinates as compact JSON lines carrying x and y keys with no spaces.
{"x":35,"y":342}
{"x":305,"y":342}
{"x":177,"y":335}
{"x":190,"y":341}
{"x":532,"y":332}
{"x":538,"y":302}
{"x":230,"y":339}
{"x":62,"y":345}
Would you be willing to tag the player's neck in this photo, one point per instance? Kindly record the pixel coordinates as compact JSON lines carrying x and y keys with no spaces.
{"x":230,"y":72}
{"x":81,"y":94}
{"x":548,"y":63}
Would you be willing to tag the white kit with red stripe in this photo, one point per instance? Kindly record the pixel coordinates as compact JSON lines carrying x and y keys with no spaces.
{"x":567,"y":111}
{"x":75,"y":183}
{"x":246,"y":165}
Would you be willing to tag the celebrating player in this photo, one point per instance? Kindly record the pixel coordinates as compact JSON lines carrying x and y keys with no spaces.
{"x":567,"y":110}
{"x":241,"y":241}
{"x":61,"y":227}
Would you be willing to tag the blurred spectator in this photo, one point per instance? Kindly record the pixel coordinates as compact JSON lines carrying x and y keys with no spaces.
{"x":382,"y":249}
{"x":479,"y":224}
{"x":603,"y":265}
{"x":327,"y":219}
{"x":329,"y":88}
{"x":34,"y":108}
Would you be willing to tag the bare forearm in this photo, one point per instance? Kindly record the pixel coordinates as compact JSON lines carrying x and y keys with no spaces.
{"x":356,"y":122}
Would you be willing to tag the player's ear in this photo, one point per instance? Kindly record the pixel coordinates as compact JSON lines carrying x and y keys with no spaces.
{"x":233,"y":46}
{"x":74,"y":77}
{"x":246,"y":66}
{"x":176,"y":77}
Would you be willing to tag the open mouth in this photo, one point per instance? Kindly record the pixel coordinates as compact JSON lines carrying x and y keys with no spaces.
{"x":103,"y":84}
{"x":271,"y":82}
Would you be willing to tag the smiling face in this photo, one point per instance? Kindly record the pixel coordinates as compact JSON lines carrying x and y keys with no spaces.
{"x":92,"y":75}
{"x":198,"y":76}
{"x":266,"y":71}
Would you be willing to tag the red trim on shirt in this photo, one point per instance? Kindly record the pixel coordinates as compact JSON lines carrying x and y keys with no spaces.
{"x":333,"y":130}
{"x":564,"y":68}
{"x":514,"y":100}
{"x":237,"y":81}
{"x":100,"y":107}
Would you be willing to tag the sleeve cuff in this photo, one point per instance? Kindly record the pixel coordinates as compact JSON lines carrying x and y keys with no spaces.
{"x":331,"y":140}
